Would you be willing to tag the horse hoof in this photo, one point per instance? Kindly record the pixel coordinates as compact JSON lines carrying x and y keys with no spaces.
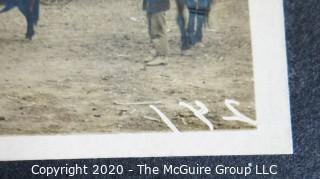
{"x":29,"y":37}
{"x":185,"y":46}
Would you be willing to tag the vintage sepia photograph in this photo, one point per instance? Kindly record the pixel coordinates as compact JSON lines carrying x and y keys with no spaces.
{"x":142,"y":78}
{"x":110,"y":66}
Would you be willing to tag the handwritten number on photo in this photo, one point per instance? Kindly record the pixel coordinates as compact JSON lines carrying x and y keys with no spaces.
{"x":165,"y":119}
{"x":199,"y":113}
{"x":237,"y":116}
{"x":203,"y":110}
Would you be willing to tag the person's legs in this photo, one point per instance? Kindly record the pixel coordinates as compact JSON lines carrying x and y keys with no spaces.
{"x":158,"y":36}
{"x":158,"y":32}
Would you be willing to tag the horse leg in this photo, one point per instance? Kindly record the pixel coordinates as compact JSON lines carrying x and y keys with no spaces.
{"x":30,"y":19}
{"x":192,"y":6}
{"x":202,"y":15}
{"x":199,"y":30}
{"x":181,"y":20}
{"x":201,"y":19}
{"x":30,"y":29}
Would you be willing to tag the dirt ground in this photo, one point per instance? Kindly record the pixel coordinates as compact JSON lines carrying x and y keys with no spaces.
{"x":84,"y":71}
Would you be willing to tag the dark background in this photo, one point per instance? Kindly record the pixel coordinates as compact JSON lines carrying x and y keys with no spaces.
{"x":303,"y":41}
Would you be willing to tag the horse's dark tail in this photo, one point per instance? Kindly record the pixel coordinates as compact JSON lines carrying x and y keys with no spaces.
{"x":8,"y":5}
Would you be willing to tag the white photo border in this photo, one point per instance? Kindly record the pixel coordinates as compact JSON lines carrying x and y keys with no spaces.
{"x":273,"y":135}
